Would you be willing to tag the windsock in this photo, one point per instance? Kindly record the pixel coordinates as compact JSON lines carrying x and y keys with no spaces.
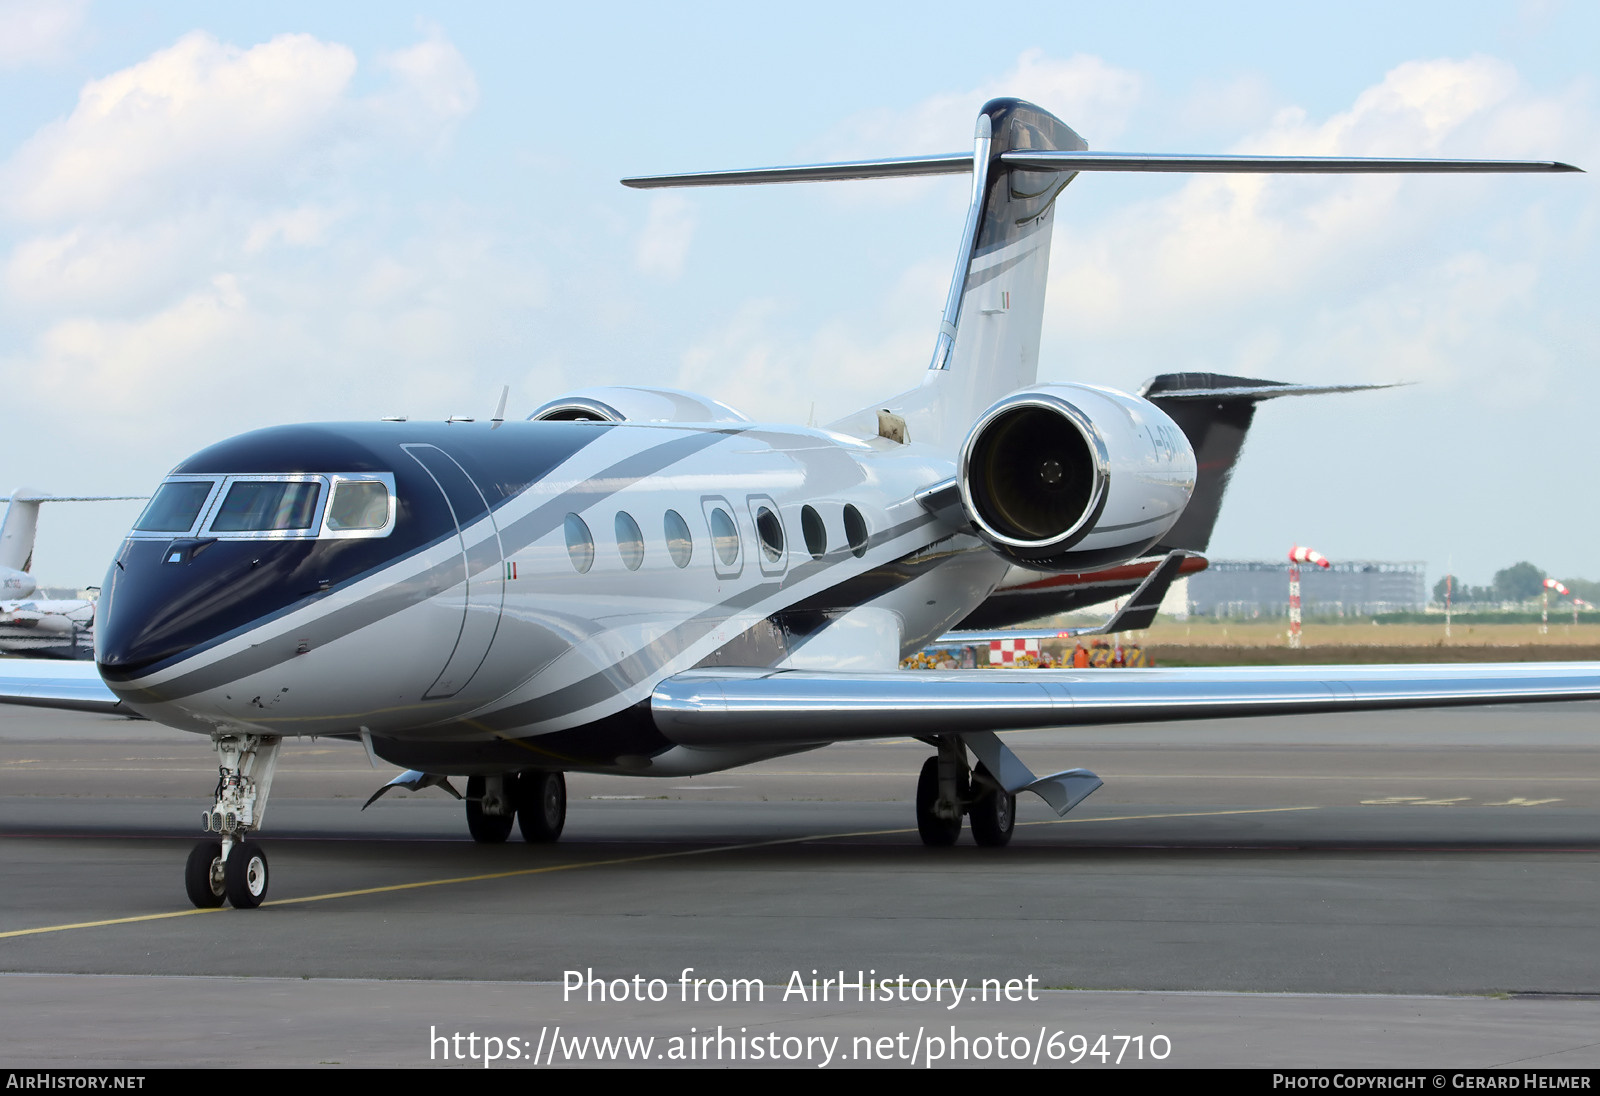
{"x":1298,"y":554}
{"x":1552,"y":584}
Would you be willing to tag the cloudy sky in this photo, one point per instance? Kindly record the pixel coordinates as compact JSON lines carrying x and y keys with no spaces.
{"x":219,"y":217}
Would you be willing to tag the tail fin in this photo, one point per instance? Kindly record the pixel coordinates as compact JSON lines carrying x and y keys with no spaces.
{"x":1214,"y":412}
{"x":22,"y":522}
{"x":988,"y":341}
{"x":16,"y":532}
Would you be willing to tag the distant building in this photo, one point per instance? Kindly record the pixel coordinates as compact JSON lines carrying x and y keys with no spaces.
{"x":1258,"y":588}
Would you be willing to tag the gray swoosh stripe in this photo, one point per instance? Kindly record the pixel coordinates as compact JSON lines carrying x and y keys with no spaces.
{"x":403,"y":594}
{"x":1132,"y":524}
{"x":993,"y":272}
{"x":649,"y":661}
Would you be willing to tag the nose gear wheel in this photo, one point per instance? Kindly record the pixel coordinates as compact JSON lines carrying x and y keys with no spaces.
{"x":245,"y":875}
{"x":202,"y":875}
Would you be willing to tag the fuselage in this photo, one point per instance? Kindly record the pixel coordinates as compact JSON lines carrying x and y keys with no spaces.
{"x":475,"y":596}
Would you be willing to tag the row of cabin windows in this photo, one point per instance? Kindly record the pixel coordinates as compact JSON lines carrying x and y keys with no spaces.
{"x":724,"y":536}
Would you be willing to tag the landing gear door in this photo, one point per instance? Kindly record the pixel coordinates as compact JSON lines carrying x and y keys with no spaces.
{"x":482,"y":583}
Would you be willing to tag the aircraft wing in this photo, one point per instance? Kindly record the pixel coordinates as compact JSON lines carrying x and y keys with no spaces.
{"x":1139,"y":613}
{"x":794,"y":707}
{"x":49,"y":683}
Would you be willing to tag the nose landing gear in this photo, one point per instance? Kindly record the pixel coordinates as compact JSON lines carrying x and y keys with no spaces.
{"x":234,"y":869}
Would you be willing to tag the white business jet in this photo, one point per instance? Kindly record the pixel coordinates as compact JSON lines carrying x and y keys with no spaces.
{"x":643,"y":581}
{"x":31,"y":624}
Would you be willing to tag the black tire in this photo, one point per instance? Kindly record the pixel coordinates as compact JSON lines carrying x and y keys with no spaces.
{"x":541,"y":806}
{"x":994,"y":818}
{"x":489,"y":829}
{"x":244,"y":876}
{"x":204,"y":889}
{"x":936,"y":832}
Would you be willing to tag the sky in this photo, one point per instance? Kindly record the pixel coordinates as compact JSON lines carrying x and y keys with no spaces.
{"x":220,"y":217}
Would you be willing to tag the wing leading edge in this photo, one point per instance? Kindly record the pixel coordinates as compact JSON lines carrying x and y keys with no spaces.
{"x":50,"y":683}
{"x":728,"y":707}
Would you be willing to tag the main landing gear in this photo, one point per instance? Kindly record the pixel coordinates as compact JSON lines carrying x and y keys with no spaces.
{"x":535,"y":801}
{"x":948,"y":789}
{"x":234,"y":869}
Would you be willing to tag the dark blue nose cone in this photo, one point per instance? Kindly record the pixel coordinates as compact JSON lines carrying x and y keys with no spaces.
{"x":164,"y":600}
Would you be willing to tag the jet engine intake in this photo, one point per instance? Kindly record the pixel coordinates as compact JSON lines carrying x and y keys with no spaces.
{"x":1073,"y":477}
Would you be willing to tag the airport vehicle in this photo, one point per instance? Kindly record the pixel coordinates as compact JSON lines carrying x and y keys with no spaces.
{"x":642,"y":581}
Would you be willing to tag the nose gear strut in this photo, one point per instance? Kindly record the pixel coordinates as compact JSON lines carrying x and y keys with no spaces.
{"x":234,"y":869}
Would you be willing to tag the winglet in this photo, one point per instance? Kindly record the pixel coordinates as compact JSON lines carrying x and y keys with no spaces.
{"x":1137,"y":614}
{"x":1140,"y":610}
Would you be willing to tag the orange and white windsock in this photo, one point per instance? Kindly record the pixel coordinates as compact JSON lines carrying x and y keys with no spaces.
{"x":1298,"y":554}
{"x":1552,"y":584}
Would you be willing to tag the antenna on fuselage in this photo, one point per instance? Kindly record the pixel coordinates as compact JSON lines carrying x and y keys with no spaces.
{"x":500,"y":411}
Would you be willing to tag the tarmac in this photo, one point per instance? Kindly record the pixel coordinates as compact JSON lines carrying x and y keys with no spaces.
{"x":1410,"y":889}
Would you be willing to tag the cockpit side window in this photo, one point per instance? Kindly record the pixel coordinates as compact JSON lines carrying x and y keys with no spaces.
{"x":358,"y":504}
{"x":175,"y":507}
{"x":252,"y":506}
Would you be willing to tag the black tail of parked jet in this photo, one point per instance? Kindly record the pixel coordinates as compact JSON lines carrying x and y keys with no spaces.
{"x":1214,"y":412}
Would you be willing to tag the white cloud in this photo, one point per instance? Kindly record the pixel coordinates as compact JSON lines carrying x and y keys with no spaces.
{"x":778,"y":367}
{"x":1235,"y":253}
{"x":1091,"y":95}
{"x":192,"y":240}
{"x":664,"y":244}
{"x":38,"y":32}
{"x":134,"y":371}
{"x":107,"y":268}
{"x":189,"y":120}
{"x":303,"y":226}
{"x":433,"y":84}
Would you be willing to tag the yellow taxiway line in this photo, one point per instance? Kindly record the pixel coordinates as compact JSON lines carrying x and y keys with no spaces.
{"x":613,"y":862}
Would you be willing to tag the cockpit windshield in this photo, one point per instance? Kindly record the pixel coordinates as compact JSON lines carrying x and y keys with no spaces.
{"x":272,"y":507}
{"x":254,"y":506}
{"x":175,"y":507}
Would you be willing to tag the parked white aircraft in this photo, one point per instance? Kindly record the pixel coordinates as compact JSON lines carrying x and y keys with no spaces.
{"x":643,"y":581}
{"x":31,"y":624}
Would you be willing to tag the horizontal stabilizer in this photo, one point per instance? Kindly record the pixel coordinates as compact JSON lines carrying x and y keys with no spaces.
{"x":36,"y":497}
{"x":1216,"y":386}
{"x":1273,"y":165}
{"x":1214,"y":411}
{"x":954,"y":163}
{"x":960,"y":163}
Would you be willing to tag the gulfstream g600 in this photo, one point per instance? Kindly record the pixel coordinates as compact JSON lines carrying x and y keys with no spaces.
{"x":643,"y":581}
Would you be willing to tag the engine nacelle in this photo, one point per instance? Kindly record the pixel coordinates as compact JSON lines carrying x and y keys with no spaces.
{"x":620,"y":403}
{"x":1073,"y":477}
